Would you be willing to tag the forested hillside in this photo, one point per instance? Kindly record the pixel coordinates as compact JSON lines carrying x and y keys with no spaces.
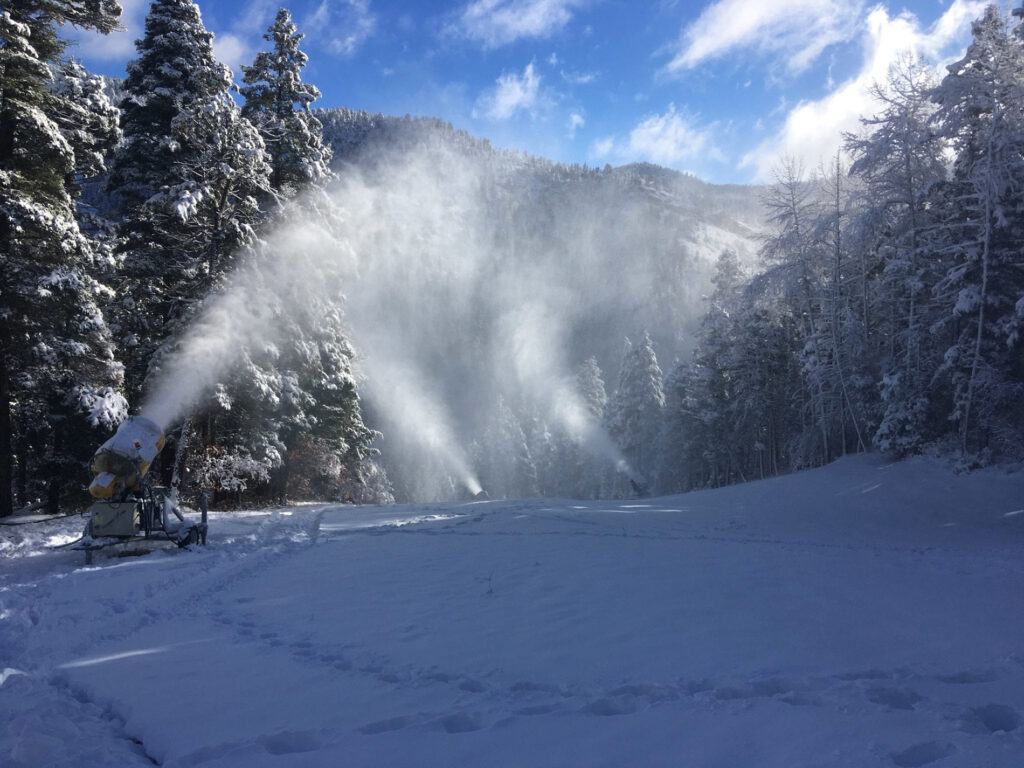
{"x":499,"y":321}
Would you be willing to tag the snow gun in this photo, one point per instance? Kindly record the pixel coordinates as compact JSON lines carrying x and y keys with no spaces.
{"x":121,"y":463}
{"x":127,"y":506}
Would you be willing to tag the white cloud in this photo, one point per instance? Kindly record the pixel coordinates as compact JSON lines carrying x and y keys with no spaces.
{"x":510,"y":95}
{"x":671,"y":139}
{"x":495,"y":23}
{"x":602,"y":148}
{"x":117,"y":45}
{"x":796,"y":30}
{"x":232,"y":50}
{"x":237,"y":43}
{"x":352,"y":18}
{"x":812,"y":130}
{"x":576,"y":121}
{"x":579,"y":78}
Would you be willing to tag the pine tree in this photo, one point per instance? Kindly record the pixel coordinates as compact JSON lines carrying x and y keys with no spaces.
{"x":187,"y":179}
{"x":585,"y":464}
{"x":56,"y":361}
{"x":899,"y":160}
{"x":635,"y":411}
{"x":840,"y":355}
{"x":507,"y":467}
{"x":89,"y":121}
{"x":981,"y":110}
{"x":702,"y":394}
{"x":320,"y":406}
{"x":277,"y":103}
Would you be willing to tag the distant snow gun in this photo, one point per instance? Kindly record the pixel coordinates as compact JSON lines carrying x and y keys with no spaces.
{"x":128,"y":507}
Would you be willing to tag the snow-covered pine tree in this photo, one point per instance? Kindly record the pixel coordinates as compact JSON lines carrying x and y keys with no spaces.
{"x":697,"y":435}
{"x":315,"y":362}
{"x":678,"y":429}
{"x":187,"y":178}
{"x":90,"y":121}
{"x":766,"y":385}
{"x":898,"y":158}
{"x":57,"y":370}
{"x":320,"y":410}
{"x":635,"y":410}
{"x":586,"y":467}
{"x":981,"y":110}
{"x":798,"y":269}
{"x":277,"y":103}
{"x":839,"y":351}
{"x":508,"y":469}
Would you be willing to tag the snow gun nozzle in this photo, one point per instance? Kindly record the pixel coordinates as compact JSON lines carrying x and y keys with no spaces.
{"x":481,"y":495}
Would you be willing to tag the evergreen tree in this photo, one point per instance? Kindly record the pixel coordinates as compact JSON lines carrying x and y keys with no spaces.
{"x":635,"y":411}
{"x":89,"y":121}
{"x":839,"y":354}
{"x":320,"y":406}
{"x":587,"y":467}
{"x":56,"y":361}
{"x":277,"y":103}
{"x":507,"y":468}
{"x":679,"y":432}
{"x":981,"y":110}
{"x":187,"y":179}
{"x":899,"y":160}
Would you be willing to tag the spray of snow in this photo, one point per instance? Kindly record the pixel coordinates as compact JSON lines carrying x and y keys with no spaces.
{"x":447,"y":310}
{"x":242,"y":314}
{"x":537,"y":331}
{"x":402,"y":395}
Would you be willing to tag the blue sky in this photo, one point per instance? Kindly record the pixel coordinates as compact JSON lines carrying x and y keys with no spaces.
{"x":721,"y":89}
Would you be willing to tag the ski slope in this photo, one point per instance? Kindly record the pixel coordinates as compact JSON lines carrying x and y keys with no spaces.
{"x":863,"y":614}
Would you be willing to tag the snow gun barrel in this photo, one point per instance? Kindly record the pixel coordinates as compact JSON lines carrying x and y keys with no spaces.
{"x":120,"y":463}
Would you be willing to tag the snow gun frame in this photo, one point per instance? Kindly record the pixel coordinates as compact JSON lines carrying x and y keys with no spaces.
{"x":128,"y":508}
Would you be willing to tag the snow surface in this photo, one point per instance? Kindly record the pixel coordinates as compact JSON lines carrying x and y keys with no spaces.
{"x":863,"y":614}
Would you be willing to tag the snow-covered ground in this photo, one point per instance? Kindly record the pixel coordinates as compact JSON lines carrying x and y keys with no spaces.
{"x":864,"y":614}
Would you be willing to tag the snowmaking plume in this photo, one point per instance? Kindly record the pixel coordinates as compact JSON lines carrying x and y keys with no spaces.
{"x":242,"y":315}
{"x":465,"y":281}
{"x":537,"y":332}
{"x":416,"y":415}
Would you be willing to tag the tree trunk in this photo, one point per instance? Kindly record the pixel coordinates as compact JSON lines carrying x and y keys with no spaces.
{"x":985,"y":258}
{"x":180,"y":454}
{"x":6,"y":436}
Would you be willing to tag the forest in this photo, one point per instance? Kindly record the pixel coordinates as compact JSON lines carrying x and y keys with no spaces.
{"x":875,"y":303}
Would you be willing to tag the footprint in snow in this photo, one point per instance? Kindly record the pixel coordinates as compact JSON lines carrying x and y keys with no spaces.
{"x":968,"y":677}
{"x":991,"y":718}
{"x":612,"y":705}
{"x":539,"y":709}
{"x":390,"y":724}
{"x":472,"y":686}
{"x":693,"y":687}
{"x":654,"y":692}
{"x":923,"y":754}
{"x":461,"y":722}
{"x":291,"y":742}
{"x":757,"y":689}
{"x":894,"y":698}
{"x":526,"y":686}
{"x":867,"y":674}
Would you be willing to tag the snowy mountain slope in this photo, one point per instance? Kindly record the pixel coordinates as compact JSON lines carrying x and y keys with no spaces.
{"x":363,"y":139}
{"x":648,"y":236}
{"x":863,"y":614}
